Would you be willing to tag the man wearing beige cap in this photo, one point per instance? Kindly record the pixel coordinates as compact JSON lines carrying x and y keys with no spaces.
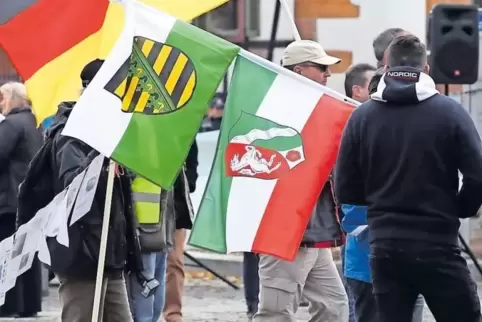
{"x":313,"y":272}
{"x":308,"y":58}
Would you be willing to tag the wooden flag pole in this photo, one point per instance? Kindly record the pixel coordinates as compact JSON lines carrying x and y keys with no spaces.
{"x":103,"y":243}
{"x":286,"y":8}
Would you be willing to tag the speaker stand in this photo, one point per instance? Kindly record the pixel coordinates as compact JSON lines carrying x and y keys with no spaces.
{"x":466,"y":249}
{"x":464,"y":245}
{"x":198,"y":263}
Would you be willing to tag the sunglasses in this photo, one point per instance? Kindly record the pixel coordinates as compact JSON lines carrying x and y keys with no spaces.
{"x":321,"y":68}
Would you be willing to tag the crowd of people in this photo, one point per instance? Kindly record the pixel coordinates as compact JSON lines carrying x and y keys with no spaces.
{"x":392,"y":202}
{"x":144,"y":265}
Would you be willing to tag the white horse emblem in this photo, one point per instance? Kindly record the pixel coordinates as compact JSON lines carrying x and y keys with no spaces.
{"x":254,"y":161}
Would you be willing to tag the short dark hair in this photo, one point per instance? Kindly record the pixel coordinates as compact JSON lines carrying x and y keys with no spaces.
{"x":90,"y":70}
{"x":372,"y":87}
{"x":407,"y":51}
{"x":383,"y":40}
{"x":356,"y":76}
{"x":290,"y":67}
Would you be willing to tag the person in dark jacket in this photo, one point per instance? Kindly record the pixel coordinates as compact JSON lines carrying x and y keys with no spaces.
{"x":357,"y":79}
{"x":400,"y":155}
{"x":19,"y":141}
{"x":212,"y":121}
{"x":76,"y":266}
{"x":185,"y":184}
{"x":313,"y":273}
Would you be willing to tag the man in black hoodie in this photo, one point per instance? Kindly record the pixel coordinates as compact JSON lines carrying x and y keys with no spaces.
{"x":76,"y":266}
{"x":401,"y":154}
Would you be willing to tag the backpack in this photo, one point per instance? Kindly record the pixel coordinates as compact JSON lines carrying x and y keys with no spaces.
{"x":37,"y":190}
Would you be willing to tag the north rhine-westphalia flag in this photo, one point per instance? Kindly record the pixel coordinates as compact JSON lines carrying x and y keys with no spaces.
{"x":278,"y":143}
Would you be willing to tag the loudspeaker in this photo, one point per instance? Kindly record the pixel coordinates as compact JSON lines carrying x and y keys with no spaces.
{"x":453,"y":41}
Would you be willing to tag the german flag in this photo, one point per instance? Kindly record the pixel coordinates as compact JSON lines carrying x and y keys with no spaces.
{"x":50,"y":41}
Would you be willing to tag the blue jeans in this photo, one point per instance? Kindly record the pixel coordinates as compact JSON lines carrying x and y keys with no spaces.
{"x":149,"y":309}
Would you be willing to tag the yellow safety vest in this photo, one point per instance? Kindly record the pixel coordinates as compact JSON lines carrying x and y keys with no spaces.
{"x":147,"y":198}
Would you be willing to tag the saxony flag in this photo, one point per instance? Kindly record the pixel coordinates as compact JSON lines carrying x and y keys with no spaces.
{"x":144,"y":107}
{"x":277,"y":146}
{"x":50,"y":41}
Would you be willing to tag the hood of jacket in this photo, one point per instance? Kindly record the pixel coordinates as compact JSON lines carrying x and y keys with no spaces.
{"x":60,"y":119}
{"x":404,"y":86}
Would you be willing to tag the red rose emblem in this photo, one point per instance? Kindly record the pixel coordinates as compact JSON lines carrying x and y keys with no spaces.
{"x":293,"y":156}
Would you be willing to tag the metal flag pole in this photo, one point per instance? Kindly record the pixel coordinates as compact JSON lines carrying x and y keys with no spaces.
{"x":103,"y":243}
{"x":297,"y":36}
{"x":286,"y":8}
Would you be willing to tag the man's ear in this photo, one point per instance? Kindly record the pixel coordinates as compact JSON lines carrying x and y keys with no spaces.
{"x":426,"y":69}
{"x":297,"y":70}
{"x":355,"y":91}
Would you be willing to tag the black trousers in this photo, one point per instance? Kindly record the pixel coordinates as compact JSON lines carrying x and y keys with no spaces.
{"x":365,"y":305}
{"x":401,"y":270}
{"x":25,"y":298}
{"x":251,"y":281}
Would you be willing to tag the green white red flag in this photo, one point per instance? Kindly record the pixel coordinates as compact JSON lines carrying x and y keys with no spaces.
{"x":278,"y":144}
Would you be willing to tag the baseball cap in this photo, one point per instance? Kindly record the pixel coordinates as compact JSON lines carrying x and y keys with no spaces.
{"x":217,"y":103}
{"x":302,"y":51}
{"x":88,"y":72}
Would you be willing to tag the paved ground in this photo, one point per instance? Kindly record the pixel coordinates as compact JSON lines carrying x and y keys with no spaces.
{"x":205,"y":301}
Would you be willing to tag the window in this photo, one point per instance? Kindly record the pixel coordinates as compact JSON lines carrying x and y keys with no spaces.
{"x":224,"y":18}
{"x":233,"y":21}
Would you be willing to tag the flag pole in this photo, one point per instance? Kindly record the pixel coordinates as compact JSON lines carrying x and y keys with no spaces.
{"x":297,"y":36}
{"x":286,"y":8}
{"x":103,"y":242}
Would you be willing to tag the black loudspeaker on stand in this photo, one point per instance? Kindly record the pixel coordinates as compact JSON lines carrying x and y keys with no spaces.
{"x":453,"y":41}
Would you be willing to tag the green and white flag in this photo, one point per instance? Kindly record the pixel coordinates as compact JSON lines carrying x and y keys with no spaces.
{"x":144,"y":107}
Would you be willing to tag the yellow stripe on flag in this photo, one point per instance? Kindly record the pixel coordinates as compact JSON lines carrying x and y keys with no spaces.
{"x":59,"y":80}
{"x":146,"y":48}
{"x":121,"y":89}
{"x":161,"y":59}
{"x":186,"y":94}
{"x":141,"y":104}
{"x":130,"y":93}
{"x":176,"y":73}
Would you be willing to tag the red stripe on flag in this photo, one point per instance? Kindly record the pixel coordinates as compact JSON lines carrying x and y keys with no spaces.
{"x":47,"y":29}
{"x":294,"y":196}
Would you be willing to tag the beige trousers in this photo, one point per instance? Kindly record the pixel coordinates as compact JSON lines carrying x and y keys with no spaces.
{"x":77,"y":298}
{"x":312,"y":273}
{"x":175,"y":279}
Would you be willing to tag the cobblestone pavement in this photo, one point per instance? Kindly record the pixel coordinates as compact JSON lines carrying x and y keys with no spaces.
{"x":204,"y":301}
